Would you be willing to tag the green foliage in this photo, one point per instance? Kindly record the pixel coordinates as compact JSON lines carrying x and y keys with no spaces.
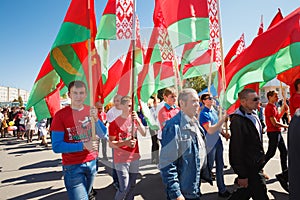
{"x":20,"y":100}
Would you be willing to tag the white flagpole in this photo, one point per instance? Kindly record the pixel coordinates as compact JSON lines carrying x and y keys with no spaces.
{"x":91,"y":78}
{"x":222,"y":65}
{"x":133,"y":65}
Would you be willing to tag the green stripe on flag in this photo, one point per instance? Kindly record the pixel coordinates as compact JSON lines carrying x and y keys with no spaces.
{"x":189,"y":30}
{"x":43,"y":111}
{"x":262,"y":70}
{"x":43,"y":87}
{"x":199,"y":70}
{"x":107,"y":28}
{"x":78,"y":34}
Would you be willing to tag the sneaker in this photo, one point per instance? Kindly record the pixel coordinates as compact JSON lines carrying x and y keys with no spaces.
{"x":225,"y":194}
{"x":283,"y":182}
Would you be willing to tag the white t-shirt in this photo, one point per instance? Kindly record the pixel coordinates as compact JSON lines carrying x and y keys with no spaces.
{"x":112,"y":114}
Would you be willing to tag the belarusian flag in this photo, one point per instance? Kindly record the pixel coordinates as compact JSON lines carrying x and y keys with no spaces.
{"x":45,"y":93}
{"x":271,"y":53}
{"x":196,"y":57}
{"x":186,"y":20}
{"x":69,"y":55}
{"x":110,"y":87}
{"x":236,"y":49}
{"x":133,"y":66}
{"x":278,"y":17}
{"x":116,"y":23}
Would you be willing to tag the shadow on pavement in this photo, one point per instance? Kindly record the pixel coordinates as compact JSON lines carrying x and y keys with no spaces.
{"x":37,"y":194}
{"x":279,"y":195}
{"x":150,"y":187}
{"x":35,"y":178}
{"x":25,"y":146}
{"x":106,"y":193}
{"x":43,"y":164}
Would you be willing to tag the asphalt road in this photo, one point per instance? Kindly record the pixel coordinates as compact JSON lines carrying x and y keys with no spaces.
{"x":31,"y":171}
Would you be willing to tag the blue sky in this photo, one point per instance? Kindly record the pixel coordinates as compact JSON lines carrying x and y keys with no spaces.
{"x":29,"y":28}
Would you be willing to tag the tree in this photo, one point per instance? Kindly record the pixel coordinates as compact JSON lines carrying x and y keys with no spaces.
{"x":20,"y":100}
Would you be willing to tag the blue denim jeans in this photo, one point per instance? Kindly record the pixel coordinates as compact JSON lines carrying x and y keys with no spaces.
{"x":216,"y":154}
{"x":79,"y":179}
{"x":127,"y":174}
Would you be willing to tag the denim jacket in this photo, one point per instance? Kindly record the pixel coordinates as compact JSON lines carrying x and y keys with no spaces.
{"x":179,"y":158}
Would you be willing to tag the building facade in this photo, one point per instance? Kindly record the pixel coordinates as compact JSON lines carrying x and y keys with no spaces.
{"x":9,"y":94}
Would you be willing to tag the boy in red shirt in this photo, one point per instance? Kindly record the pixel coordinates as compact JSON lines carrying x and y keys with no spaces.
{"x":126,"y":149}
{"x":72,"y":136}
{"x":169,"y":110}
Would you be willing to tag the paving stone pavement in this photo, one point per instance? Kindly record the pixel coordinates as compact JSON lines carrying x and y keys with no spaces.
{"x":31,"y":171}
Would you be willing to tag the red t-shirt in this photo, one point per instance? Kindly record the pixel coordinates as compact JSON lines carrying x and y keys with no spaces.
{"x":294,"y":103}
{"x":271,"y":111}
{"x":121,"y":129}
{"x":77,"y":127}
{"x":102,"y":116}
{"x":166,"y":113}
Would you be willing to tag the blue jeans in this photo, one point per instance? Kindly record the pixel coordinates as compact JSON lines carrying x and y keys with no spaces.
{"x":79,"y":179}
{"x":127,"y":174}
{"x":216,"y":154}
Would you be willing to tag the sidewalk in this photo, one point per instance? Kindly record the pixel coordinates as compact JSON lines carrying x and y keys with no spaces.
{"x":30,"y":171}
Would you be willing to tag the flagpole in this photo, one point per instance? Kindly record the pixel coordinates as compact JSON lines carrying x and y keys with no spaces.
{"x":178,"y":82}
{"x":133,"y":66}
{"x":210,"y":68}
{"x":222,"y":65}
{"x":90,"y":76}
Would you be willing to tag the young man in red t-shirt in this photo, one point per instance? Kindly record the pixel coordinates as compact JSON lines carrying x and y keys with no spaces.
{"x":274,"y":131}
{"x":169,"y":110}
{"x":126,"y":149}
{"x":72,"y":136}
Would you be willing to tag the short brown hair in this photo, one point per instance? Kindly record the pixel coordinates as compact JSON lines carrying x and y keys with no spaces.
{"x":77,"y":84}
{"x":296,"y":83}
{"x":169,"y":91}
{"x":271,"y":93}
{"x":244,"y":93}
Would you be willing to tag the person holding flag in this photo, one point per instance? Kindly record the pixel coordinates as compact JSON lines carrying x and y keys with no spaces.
{"x":213,"y":128}
{"x":123,"y":140}
{"x":72,"y":137}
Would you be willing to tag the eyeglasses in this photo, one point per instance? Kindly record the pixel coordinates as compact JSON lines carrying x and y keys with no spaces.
{"x":210,"y":98}
{"x":256,"y":99}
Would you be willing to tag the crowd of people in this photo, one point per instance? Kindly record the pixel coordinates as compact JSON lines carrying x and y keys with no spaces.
{"x":186,"y":141}
{"x":23,"y":124}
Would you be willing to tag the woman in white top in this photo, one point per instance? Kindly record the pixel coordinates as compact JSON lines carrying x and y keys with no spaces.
{"x":30,"y":124}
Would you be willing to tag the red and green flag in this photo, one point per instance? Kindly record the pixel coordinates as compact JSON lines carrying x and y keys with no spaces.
{"x":197,"y":56}
{"x":45,"y":93}
{"x":271,"y":53}
{"x":116,"y":23}
{"x":186,"y":20}
{"x":73,"y":51}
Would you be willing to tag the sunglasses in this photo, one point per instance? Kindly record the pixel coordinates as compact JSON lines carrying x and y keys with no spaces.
{"x":210,"y":98}
{"x":256,"y":99}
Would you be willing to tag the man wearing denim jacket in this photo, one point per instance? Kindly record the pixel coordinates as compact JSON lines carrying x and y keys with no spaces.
{"x":183,"y":152}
